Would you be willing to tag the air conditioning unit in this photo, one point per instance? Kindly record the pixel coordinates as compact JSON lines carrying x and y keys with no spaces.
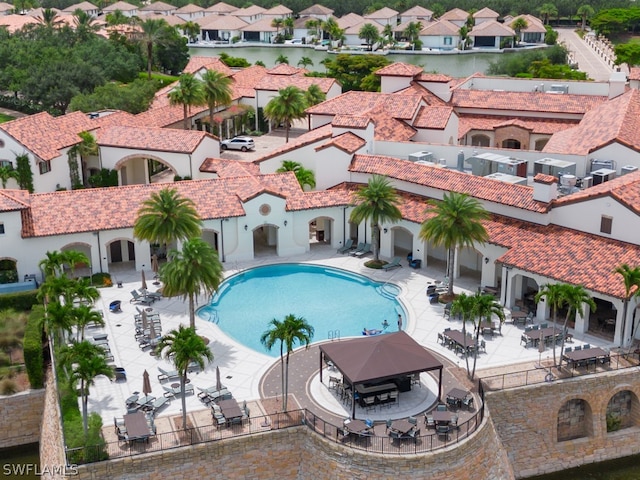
{"x":603,"y":175}
{"x":628,"y":169}
{"x":424,"y":156}
{"x":586,"y":182}
{"x":559,"y":88}
{"x":553,"y":167}
{"x":597,"y":164}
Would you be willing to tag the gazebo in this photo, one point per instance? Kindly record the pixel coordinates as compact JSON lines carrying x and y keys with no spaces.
{"x":380,"y":358}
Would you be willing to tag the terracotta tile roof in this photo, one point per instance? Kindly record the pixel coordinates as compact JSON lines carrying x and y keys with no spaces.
{"x":210,"y":63}
{"x":122,"y":6}
{"x":427,"y":95}
{"x":222,"y":7}
{"x":617,"y":120}
{"x":388,"y":128}
{"x":316,"y":9}
{"x":624,"y":189}
{"x":433,"y":77}
{"x":440,"y":27}
{"x":311,"y":137}
{"x":280,"y":10}
{"x":417,"y":12}
{"x":285,"y":69}
{"x":117,"y":118}
{"x":359,"y":103}
{"x":634,"y":73}
{"x":349,"y":20}
{"x":518,"y":196}
{"x":221,"y":22}
{"x":190,"y":8}
{"x":355,"y":29}
{"x":535,"y":125}
{"x":245,"y":81}
{"x":84,"y":6}
{"x":525,"y":101}
{"x":384,"y":13}
{"x":157,"y":7}
{"x":399,"y":69}
{"x":146,"y":138}
{"x":170,"y":19}
{"x":262,"y":25}
{"x":275,"y":83}
{"x":249,"y":11}
{"x":348,"y":142}
{"x":229,"y":168}
{"x":486,"y":12}
{"x":534,"y":24}
{"x":14,"y":22}
{"x":351,"y":121}
{"x":11,"y":200}
{"x":491,"y":29}
{"x":455,"y":14}
{"x":45,"y":135}
{"x":433,"y":117}
{"x":164,"y":116}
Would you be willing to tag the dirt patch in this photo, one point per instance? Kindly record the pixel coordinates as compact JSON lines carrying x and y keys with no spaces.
{"x":188,"y":436}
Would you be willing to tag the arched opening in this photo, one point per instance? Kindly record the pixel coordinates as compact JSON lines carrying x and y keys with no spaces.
{"x":540,"y":144}
{"x":212,"y":238}
{"x":320,"y":231}
{"x":605,"y":319}
{"x":480,"y":140}
{"x":8,"y":271}
{"x":621,"y":410}
{"x":575,"y":420}
{"x":470,"y":263}
{"x":121,"y":252}
{"x":143,"y":170}
{"x":401,"y":241}
{"x":265,"y":240}
{"x":511,"y":143}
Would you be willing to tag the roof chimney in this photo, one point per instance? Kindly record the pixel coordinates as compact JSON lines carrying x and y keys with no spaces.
{"x":545,"y":188}
{"x":617,"y":82}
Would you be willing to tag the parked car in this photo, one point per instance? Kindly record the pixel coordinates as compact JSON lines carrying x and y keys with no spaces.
{"x":238,"y":143}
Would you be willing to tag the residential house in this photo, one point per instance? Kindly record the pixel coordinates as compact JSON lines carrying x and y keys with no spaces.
{"x":416,"y":14}
{"x":352,"y":33}
{"x":317,"y":11}
{"x":491,"y":34}
{"x":261,"y":31}
{"x":384,"y":16}
{"x":440,"y":35}
{"x":86,"y":7}
{"x":158,"y":8}
{"x":534,"y":32}
{"x":220,"y":8}
{"x":456,"y":16}
{"x":127,"y":9}
{"x":221,"y":28}
{"x":250,"y":14}
{"x":6,"y":8}
{"x":485,"y":15}
{"x":190,"y":13}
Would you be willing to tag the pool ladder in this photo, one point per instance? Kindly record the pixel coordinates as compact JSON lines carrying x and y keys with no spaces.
{"x":333,"y":335}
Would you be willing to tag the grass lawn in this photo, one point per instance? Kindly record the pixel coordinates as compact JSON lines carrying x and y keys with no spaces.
{"x":5,"y":118}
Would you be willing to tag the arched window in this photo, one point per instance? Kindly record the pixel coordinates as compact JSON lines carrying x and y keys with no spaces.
{"x":480,"y":140}
{"x":511,"y":143}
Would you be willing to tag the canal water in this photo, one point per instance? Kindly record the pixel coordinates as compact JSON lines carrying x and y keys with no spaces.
{"x":21,"y":462}
{"x":456,"y":65}
{"x":621,"y":469}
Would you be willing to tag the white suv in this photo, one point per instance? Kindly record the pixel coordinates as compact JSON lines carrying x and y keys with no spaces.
{"x":238,"y":143}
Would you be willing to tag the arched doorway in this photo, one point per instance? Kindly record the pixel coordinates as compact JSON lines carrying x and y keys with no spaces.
{"x":401,"y":241}
{"x":480,"y":140}
{"x":80,"y":270}
{"x":320,"y":231}
{"x":144,"y":169}
{"x":121,"y":253}
{"x":265,"y":240}
{"x":8,"y":270}
{"x":511,"y":143}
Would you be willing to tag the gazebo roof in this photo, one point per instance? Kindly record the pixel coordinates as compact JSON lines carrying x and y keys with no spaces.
{"x":379,"y":357}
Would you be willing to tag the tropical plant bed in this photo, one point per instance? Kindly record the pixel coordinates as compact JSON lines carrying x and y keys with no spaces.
{"x":377,"y":264}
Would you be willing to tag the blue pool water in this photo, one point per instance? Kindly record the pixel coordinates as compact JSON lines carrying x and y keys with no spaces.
{"x":334,"y":301}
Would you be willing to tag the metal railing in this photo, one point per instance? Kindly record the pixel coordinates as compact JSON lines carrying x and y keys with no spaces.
{"x":379,"y":442}
{"x":618,"y":361}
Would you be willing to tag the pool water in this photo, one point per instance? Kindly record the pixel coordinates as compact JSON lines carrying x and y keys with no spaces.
{"x":335,"y":302}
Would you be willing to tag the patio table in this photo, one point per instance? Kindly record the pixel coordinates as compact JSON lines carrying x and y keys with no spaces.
{"x":402,"y":426}
{"x":544,"y":333}
{"x":230,"y":409}
{"x":584,"y":356}
{"x":137,"y":426}
{"x":458,"y":394}
{"x":357,"y":426}
{"x":441,"y":416}
{"x":457,"y":337}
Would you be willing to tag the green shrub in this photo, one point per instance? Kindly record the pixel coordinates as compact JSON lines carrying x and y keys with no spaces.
{"x":8,"y":387}
{"x":613,"y":422}
{"x":20,"y":301}
{"x":101,"y":279}
{"x":32,"y":346}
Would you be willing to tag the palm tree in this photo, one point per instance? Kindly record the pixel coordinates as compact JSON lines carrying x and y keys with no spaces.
{"x":84,"y":24}
{"x":332,"y":29}
{"x":52,"y":266}
{"x":194,"y":270}
{"x":282,"y":59}
{"x":73,"y":258}
{"x":189,"y":92}
{"x":463,"y":305}
{"x":378,"y":202}
{"x":277,"y":24}
{"x":555,"y":296}
{"x":518,"y":25}
{"x":387,"y":32}
{"x":288,"y":25}
{"x":314,"y":27}
{"x":288,"y":106}
{"x":7,"y":172}
{"x":631,"y":279}
{"x":88,"y":361}
{"x":191,"y":30}
{"x":456,"y":222}
{"x":184,"y":347}
{"x":82,"y":316}
{"x":484,"y":308}
{"x":50,"y":19}
{"x":153,"y":32}
{"x":548,"y":10}
{"x":369,"y":34}
{"x":117,"y":18}
{"x":585,"y":11}
{"x":314,"y":95}
{"x":293,"y":329}
{"x":58,"y":322}
{"x":217,"y":91}
{"x":305,"y":62}
{"x":576,"y":297}
{"x":304,"y":175}
{"x":167,"y":216}
{"x":412,"y":32}
{"x":81,"y":290}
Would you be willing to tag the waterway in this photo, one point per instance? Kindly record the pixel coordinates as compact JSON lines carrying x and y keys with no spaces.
{"x":456,"y":65}
{"x":621,"y":469}
{"x":21,"y":462}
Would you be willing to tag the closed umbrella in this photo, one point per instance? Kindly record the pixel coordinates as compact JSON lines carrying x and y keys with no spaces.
{"x":152,"y":332}
{"x":145,"y":320}
{"x":146,"y":383}
{"x":144,"y":281}
{"x":154,"y":268}
{"x":218,"y":382}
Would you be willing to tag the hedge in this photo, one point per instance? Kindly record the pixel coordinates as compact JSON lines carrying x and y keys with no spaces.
{"x":32,"y":346}
{"x":20,"y":301}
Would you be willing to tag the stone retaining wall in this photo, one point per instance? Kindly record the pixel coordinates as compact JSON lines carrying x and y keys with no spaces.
{"x":20,"y":416}
{"x":52,"y":457}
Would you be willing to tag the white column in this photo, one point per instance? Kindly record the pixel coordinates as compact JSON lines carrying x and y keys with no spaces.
{"x":582,"y":321}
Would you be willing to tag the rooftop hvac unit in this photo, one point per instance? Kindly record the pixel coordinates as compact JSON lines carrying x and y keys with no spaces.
{"x":424,"y":156}
{"x":597,"y":164}
{"x":553,"y":167}
{"x":603,"y":175}
{"x":558,"y":88}
{"x":586,"y":182}
{"x":506,"y":178}
{"x":628,"y":169}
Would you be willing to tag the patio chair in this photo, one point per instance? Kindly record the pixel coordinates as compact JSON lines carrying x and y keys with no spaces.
{"x":358,"y":248}
{"x":454,"y":422}
{"x":394,"y":263}
{"x":441,"y":407}
{"x":443,"y":431}
{"x":413,"y":420}
{"x":348,"y":245}
{"x":366,"y":250}
{"x":568,"y":350}
{"x":167,"y":374}
{"x":429,"y":421}
{"x":137,"y":298}
{"x":468,"y":402}
{"x":152,"y":295}
{"x":369,"y":403}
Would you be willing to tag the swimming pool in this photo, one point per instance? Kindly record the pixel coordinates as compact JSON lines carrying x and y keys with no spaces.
{"x":336,"y":302}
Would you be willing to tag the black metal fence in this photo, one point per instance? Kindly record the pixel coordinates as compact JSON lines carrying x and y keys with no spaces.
{"x":377,"y":442}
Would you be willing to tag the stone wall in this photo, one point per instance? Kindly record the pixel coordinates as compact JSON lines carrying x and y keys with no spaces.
{"x":52,"y":456}
{"x":528,"y":420}
{"x":20,"y":416}
{"x":300,"y":454}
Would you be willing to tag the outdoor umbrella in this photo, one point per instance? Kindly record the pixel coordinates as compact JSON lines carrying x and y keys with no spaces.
{"x":146,"y":383}
{"x":145,"y":320}
{"x":154,"y":268}
{"x":152,"y":332}
{"x":144,"y":281}
{"x":218,"y":382}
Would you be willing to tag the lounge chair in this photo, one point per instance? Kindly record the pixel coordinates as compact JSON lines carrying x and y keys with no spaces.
{"x":394,"y":263}
{"x":159,"y":403}
{"x":347,"y":246}
{"x":359,"y":248}
{"x":137,"y":298}
{"x":152,"y":295}
{"x":167,"y":375}
{"x":365,"y":250}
